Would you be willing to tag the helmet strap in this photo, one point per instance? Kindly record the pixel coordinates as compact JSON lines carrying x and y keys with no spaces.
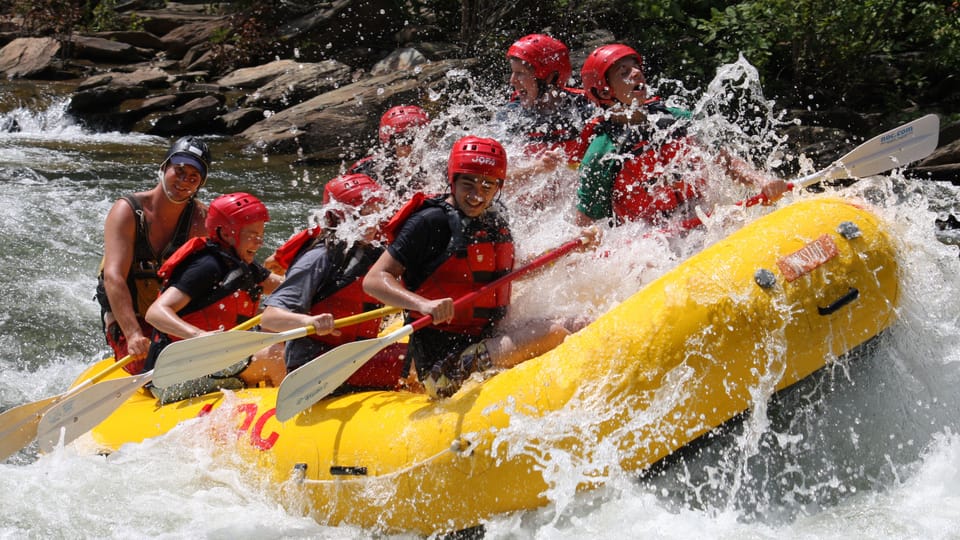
{"x":162,"y":174}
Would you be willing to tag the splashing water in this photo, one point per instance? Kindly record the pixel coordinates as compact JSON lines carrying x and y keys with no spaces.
{"x":866,"y":447}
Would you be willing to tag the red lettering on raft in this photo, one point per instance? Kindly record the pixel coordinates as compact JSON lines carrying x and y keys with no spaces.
{"x":249,"y":412}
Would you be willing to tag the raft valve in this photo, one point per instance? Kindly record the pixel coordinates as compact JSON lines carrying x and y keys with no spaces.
{"x":849,"y":230}
{"x":765,"y":278}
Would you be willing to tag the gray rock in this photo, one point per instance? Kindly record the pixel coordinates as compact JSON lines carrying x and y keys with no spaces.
{"x":338,"y":119}
{"x":195,"y":117}
{"x":240,"y":119}
{"x":257,"y":76}
{"x":398,"y":60}
{"x":105,"y":50}
{"x":303,"y":82}
{"x":29,"y":58}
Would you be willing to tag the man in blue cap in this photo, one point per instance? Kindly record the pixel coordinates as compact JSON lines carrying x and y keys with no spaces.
{"x":141,"y":231}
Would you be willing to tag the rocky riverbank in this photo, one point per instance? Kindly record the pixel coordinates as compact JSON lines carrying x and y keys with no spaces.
{"x":161,"y":81}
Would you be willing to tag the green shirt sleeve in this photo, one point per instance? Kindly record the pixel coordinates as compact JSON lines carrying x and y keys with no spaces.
{"x":595,"y":191}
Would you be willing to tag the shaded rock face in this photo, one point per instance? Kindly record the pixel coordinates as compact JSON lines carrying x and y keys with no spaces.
{"x":329,"y":123}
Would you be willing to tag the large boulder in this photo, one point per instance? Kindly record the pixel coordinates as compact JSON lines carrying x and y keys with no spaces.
{"x":334,"y":122}
{"x":297,"y":85}
{"x":106,"y":50}
{"x":196,"y":117}
{"x":257,"y":76}
{"x":31,"y":58}
{"x":182,"y":38}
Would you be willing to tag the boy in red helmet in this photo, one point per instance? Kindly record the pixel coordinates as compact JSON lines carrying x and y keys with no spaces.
{"x":323,"y":281}
{"x":548,"y":116}
{"x":213,"y":284}
{"x":630,"y":170}
{"x":391,"y":165}
{"x":141,"y":231}
{"x":447,"y":247}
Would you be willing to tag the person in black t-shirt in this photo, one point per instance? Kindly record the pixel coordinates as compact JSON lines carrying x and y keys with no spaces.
{"x":445,"y":247}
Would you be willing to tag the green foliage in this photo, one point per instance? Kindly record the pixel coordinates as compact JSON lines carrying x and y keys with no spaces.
{"x":104,"y":17}
{"x":862,"y":53}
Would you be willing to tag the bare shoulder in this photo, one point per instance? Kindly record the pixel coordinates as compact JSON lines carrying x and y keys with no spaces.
{"x":120,"y":213}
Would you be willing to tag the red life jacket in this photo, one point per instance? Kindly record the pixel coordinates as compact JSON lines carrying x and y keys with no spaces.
{"x":641,"y":189}
{"x":234,"y":300}
{"x":473,"y":258}
{"x":344,"y":297}
{"x":562,"y":135}
{"x":285,"y":254}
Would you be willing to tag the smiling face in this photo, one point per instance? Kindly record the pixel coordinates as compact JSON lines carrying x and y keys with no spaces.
{"x":473,"y":193}
{"x":626,"y":82}
{"x":248,"y":241}
{"x":524,"y":82}
{"x":181,"y":182}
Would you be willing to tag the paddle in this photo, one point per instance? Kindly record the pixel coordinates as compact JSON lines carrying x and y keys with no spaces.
{"x":91,"y":402}
{"x":193,"y":358}
{"x":890,"y":150}
{"x":317,"y":378}
{"x":18,"y":426}
{"x":84,"y":411}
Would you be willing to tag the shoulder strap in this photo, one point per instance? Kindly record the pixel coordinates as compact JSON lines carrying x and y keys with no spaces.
{"x":182,"y":232}
{"x":457,"y":246}
{"x":142,"y":250}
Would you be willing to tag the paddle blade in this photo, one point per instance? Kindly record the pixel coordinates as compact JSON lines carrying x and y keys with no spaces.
{"x":84,"y":410}
{"x":18,"y":426}
{"x":190,"y":359}
{"x":312,"y":381}
{"x":895,"y":148}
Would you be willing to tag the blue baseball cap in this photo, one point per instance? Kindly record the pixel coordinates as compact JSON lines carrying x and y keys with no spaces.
{"x":185,"y":159}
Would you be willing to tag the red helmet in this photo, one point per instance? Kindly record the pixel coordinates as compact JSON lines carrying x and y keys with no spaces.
{"x":352,"y":189}
{"x":594,"y":70}
{"x":474,"y":155}
{"x":230,"y":212}
{"x":547,"y":55}
{"x":399,"y":119}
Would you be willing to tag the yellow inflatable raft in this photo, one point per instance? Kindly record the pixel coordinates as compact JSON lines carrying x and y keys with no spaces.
{"x":752,"y":314}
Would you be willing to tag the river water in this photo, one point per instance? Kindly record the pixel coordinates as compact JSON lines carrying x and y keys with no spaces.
{"x":868,"y":448}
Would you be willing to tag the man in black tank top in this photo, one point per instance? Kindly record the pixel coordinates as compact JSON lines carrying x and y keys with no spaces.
{"x":140,"y":232}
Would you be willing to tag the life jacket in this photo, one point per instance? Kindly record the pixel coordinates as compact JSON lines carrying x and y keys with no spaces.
{"x":642,"y":191}
{"x":295,"y":245}
{"x":232,"y":301}
{"x":478,"y":253}
{"x":641,"y":188}
{"x":344,"y":297}
{"x":142,"y":279}
{"x":563,"y":131}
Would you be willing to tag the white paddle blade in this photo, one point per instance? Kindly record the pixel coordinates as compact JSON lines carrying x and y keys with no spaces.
{"x":312,"y":381}
{"x":893,"y":149}
{"x":18,"y":426}
{"x":190,"y":359}
{"x":84,"y":410}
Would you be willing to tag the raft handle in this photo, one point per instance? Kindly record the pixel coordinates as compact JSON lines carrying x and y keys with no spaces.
{"x":339,"y":470}
{"x":851,"y":295}
{"x":299,"y":472}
